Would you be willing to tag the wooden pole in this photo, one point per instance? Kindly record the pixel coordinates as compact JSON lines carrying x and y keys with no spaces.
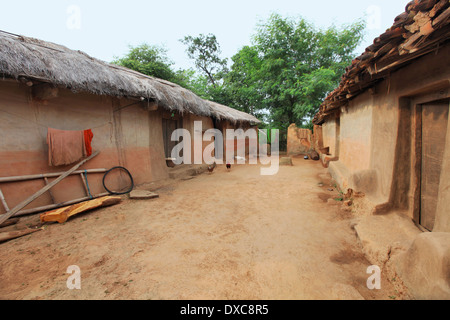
{"x":85,"y":184}
{"x":49,"y":191}
{"x":46,"y":175}
{"x":2,"y":198}
{"x":10,"y":222}
{"x":5,"y":236}
{"x":24,"y":203}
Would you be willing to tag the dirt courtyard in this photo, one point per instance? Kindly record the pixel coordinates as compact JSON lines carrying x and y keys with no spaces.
{"x":227,"y":235}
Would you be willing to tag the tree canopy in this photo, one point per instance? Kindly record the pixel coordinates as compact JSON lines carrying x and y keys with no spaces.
{"x":205,"y":51}
{"x":282,"y":77}
{"x":150,"y":60}
{"x":291,"y":67}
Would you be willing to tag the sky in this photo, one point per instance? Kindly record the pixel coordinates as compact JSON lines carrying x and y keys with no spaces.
{"x":106,"y":29}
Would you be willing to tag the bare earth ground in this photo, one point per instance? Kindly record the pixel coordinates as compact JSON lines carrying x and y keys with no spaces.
{"x":227,"y":235}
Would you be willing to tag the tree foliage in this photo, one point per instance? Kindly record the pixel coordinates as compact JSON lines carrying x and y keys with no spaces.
{"x":205,"y":51}
{"x":243,"y":83}
{"x":282,"y":77}
{"x":291,"y":67}
{"x":150,"y":60}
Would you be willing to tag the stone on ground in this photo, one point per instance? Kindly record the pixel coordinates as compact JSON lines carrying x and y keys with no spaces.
{"x":286,"y":161}
{"x":142,"y":195}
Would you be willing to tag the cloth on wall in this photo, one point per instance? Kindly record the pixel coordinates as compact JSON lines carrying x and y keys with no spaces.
{"x":88,"y":136}
{"x":67,"y":147}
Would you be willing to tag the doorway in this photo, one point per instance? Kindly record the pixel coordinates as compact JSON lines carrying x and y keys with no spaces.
{"x":432,"y":133}
{"x":169,"y":125}
{"x":218,"y":139}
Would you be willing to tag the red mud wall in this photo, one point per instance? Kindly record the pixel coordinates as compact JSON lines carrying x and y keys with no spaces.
{"x":234,"y":145}
{"x":298,"y":141}
{"x":130,"y":137}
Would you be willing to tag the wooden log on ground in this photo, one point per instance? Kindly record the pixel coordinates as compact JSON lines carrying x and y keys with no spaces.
{"x":24,"y":203}
{"x":9,"y":222}
{"x":61,"y":215}
{"x":5,"y":236}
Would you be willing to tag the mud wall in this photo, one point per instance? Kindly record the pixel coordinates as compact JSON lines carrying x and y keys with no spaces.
{"x":298,"y":140}
{"x":248,"y":144}
{"x":376,"y":141}
{"x":329,"y":135}
{"x":355,"y":135}
{"x":189,"y":124}
{"x":124,"y":133}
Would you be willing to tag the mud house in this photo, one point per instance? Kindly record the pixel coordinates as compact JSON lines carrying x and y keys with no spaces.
{"x":45,"y":86}
{"x":386,"y":126}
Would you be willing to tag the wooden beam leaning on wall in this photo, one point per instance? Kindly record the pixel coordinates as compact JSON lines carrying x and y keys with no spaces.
{"x":24,"y":203}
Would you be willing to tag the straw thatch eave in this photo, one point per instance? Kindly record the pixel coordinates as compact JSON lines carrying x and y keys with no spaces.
{"x":23,"y":57}
{"x":221,"y":112}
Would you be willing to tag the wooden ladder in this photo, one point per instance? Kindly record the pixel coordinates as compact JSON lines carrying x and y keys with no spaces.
{"x":45,"y":177}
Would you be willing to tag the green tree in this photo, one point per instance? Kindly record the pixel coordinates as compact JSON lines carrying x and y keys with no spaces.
{"x":205,"y":51}
{"x":243,"y":82}
{"x":151,"y":60}
{"x":291,"y":67}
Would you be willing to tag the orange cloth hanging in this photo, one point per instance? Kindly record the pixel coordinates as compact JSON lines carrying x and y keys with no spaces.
{"x":65,"y":147}
{"x":88,"y":136}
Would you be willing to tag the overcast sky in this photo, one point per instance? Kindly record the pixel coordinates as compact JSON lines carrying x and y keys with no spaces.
{"x":105,"y":29}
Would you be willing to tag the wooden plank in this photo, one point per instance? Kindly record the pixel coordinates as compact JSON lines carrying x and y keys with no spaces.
{"x":85,"y":184}
{"x":58,"y":205}
{"x":417,"y":181}
{"x":10,"y":222}
{"x":442,"y":18}
{"x":2,"y":198}
{"x":434,"y":130}
{"x":440,"y":5}
{"x":61,"y":215}
{"x":49,"y":191}
{"x":24,"y":203}
{"x":46,"y":175}
{"x":5,"y":236}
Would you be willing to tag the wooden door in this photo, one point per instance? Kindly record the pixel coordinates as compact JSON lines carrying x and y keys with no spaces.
{"x":434,"y":131}
{"x":169,"y":126}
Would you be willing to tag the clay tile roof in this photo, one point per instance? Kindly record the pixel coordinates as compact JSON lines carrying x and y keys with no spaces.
{"x":421,"y":29}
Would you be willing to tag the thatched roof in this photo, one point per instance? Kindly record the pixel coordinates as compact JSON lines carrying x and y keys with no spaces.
{"x":423,"y":28}
{"x":221,"y":112}
{"x":48,"y":62}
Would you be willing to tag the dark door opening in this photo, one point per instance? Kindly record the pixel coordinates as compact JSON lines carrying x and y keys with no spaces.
{"x":218,"y":140}
{"x":169,"y":126}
